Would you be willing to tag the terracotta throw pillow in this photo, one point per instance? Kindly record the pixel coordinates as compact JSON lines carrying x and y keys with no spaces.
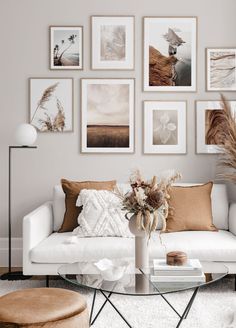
{"x":190,"y":209}
{"x":72,"y":190}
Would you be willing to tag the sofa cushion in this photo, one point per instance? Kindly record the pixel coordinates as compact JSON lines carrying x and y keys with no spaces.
{"x":205,"y":245}
{"x":59,"y":203}
{"x":219,"y":200}
{"x":72,"y":190}
{"x":101,"y":216}
{"x":190,"y":208}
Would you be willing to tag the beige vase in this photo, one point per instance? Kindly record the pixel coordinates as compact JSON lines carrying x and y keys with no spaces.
{"x":141,"y":244}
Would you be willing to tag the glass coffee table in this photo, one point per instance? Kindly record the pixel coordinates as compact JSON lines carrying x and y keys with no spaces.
{"x":135,"y":282}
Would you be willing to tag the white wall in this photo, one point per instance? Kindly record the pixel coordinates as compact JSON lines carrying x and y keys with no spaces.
{"x":24,"y":53}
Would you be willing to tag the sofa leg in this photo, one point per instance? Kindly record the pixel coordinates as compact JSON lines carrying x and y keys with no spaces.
{"x":47,"y":281}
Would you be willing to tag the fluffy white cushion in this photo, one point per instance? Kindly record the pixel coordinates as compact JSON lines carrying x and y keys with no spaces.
{"x":102,"y":215}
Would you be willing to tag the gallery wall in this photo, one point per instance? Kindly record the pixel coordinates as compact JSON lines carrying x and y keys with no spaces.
{"x":25,"y":53}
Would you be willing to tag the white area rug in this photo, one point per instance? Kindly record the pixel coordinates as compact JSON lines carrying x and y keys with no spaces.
{"x":214,"y":306}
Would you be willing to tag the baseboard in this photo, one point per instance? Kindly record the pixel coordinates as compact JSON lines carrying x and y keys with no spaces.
{"x":16,"y":253}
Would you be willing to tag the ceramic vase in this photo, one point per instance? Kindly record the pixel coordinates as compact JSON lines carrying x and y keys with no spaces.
{"x":141,"y":244}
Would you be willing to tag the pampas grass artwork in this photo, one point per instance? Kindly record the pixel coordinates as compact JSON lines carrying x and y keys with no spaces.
{"x":226,"y":131}
{"x":50,"y":104}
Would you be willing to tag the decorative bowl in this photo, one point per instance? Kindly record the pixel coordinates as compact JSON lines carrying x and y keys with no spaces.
{"x":111,"y":270}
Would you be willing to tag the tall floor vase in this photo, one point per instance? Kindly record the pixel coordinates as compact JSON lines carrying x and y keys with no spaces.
{"x":141,"y":244}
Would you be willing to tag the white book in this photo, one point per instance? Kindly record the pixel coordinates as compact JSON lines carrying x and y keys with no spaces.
{"x":170,"y":286}
{"x":195,"y":272}
{"x":191,"y":265}
{"x":170,"y":279}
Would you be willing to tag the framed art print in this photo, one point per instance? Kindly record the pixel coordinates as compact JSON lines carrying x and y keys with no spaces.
{"x":51,"y":104}
{"x":221,"y":69}
{"x":207,"y":121}
{"x":66,"y":47}
{"x":170,"y":53}
{"x":164,"y":127}
{"x":112,"y":42}
{"x":107,"y":115}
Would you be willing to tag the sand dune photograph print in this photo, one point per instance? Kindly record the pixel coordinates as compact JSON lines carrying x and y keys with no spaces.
{"x":221,"y":69}
{"x":209,"y":123}
{"x":109,"y":124}
{"x":66,"y":47}
{"x":169,"y":54}
{"x":212,"y":122}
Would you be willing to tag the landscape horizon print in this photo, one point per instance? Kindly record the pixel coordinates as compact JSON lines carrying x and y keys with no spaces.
{"x":107,"y":115}
{"x":170,"y":53}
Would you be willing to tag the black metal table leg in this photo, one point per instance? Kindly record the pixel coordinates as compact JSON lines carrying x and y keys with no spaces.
{"x":91,"y":321}
{"x":107,"y":297}
{"x":188,"y":307}
{"x":115,"y":309}
{"x":91,"y":312}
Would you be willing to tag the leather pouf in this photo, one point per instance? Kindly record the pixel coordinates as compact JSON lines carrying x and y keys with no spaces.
{"x":43,"y":307}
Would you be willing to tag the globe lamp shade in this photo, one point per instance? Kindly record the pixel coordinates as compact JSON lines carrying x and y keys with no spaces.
{"x":25,"y":135}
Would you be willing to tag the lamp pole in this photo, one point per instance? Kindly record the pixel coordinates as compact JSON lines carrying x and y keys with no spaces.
{"x":12,"y":275}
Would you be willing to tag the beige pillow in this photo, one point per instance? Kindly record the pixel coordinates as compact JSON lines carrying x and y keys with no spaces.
{"x":190,"y":209}
{"x":72,"y":190}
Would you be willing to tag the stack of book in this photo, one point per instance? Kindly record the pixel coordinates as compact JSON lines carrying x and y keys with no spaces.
{"x":177,"y":276}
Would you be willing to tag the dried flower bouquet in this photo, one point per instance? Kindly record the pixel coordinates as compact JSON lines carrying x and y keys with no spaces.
{"x":148,"y":200}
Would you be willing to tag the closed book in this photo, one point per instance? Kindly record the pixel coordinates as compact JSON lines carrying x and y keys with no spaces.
{"x":200,"y":278}
{"x":191,"y":265}
{"x":196,"y":272}
{"x":171,"y":286}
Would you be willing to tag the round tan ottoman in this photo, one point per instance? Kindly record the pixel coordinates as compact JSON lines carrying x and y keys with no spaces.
{"x":43,"y":307}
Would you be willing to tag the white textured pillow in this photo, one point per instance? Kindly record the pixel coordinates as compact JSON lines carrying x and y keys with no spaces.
{"x":101,"y":216}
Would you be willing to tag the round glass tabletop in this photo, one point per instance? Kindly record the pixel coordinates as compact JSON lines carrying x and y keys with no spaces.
{"x":135,"y":281}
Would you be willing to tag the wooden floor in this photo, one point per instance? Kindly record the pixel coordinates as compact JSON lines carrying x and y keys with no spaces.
{"x":4,"y":270}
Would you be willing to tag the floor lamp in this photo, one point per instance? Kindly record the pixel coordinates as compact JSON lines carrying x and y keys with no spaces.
{"x":26,"y":136}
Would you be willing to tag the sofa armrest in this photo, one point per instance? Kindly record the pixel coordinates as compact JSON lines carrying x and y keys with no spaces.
{"x":37,"y":226}
{"x":232,"y":218}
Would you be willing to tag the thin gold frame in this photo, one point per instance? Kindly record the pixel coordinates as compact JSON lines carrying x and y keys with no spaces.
{"x":91,"y":44}
{"x":207,"y":71}
{"x":72,"y":103}
{"x":82,"y":48}
{"x":196,"y":54}
{"x":186,"y":127}
{"x":81,"y":119}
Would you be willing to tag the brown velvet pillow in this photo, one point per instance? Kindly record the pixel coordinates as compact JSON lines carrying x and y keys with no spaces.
{"x":190,"y":209}
{"x":72,"y":190}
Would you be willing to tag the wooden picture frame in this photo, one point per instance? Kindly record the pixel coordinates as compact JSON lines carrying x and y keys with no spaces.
{"x":107,"y":115}
{"x":112,"y":40}
{"x":51,"y":104}
{"x":221,"y":69}
{"x":170,"y":54}
{"x":165,"y":129}
{"x":206,"y":138}
{"x":66,"y":47}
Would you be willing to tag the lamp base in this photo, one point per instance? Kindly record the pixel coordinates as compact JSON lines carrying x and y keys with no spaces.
{"x":14,"y":275}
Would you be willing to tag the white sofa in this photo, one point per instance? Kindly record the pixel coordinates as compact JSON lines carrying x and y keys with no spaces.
{"x":44,"y":250}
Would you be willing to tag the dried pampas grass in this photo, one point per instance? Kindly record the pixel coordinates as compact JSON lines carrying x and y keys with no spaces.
{"x":47,"y":94}
{"x":226,"y":132}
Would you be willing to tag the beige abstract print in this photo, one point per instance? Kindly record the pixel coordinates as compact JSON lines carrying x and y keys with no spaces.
{"x":113,"y":38}
{"x":222,"y":69}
